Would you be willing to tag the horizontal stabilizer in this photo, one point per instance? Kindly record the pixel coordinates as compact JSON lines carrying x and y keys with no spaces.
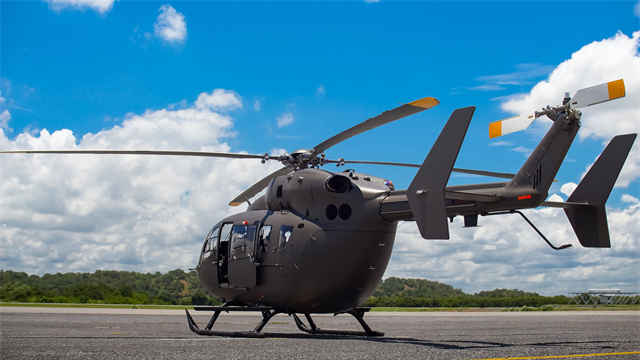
{"x":510,"y":124}
{"x":458,"y":195}
{"x":426,"y":194}
{"x":590,"y":222}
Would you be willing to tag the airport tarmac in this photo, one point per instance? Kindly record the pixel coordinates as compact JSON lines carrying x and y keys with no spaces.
{"x":72,"y":333}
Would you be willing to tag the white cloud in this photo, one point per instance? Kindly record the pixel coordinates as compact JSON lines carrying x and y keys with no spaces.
{"x":143,"y":213}
{"x":182,"y":104}
{"x":501,"y":143}
{"x":101,"y":6}
{"x":596,"y":63}
{"x":219,"y":99}
{"x":256,"y":105}
{"x":504,"y":252}
{"x":321,"y":90}
{"x":488,"y":87}
{"x":371,"y":1}
{"x":5,"y":116}
{"x":636,"y":9}
{"x":523,"y":150}
{"x":170,"y":25}
{"x":285,"y":119}
{"x":524,"y":74}
{"x":568,"y":188}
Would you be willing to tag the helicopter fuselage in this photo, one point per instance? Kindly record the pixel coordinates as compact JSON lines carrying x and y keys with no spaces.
{"x":314,"y":243}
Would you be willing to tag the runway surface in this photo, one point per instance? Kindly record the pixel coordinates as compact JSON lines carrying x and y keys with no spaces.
{"x":37,"y":333}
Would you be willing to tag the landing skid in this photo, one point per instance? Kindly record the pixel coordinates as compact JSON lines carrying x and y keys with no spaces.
{"x":267,"y":314}
{"x":358,"y":313}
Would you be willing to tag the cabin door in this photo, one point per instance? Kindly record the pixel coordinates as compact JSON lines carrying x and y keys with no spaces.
{"x":242,"y":270}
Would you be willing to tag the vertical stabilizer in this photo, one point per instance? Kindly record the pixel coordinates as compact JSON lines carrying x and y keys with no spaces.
{"x":538,"y":172}
{"x":590,"y":221}
{"x":426,"y":192}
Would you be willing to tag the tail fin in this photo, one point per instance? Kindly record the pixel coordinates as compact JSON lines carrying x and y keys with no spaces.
{"x":539,"y":170}
{"x":426,"y":192}
{"x":590,"y":222}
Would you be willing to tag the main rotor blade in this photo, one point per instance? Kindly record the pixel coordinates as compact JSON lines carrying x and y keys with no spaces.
{"x":386,"y":117}
{"x":458,"y":170}
{"x":141,"y":152}
{"x":257,"y":187}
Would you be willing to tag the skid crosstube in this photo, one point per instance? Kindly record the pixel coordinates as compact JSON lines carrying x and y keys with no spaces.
{"x":267,"y":314}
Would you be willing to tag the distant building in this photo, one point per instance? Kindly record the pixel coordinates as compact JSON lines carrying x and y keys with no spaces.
{"x":604,"y":296}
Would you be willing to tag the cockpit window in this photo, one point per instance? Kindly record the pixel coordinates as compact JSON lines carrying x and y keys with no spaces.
{"x":285,"y":234}
{"x":264,"y":238}
{"x":211,"y":242}
{"x":242,"y":239}
{"x":224,"y":233}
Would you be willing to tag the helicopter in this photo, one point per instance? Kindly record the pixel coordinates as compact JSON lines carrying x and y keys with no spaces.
{"x":319,"y":241}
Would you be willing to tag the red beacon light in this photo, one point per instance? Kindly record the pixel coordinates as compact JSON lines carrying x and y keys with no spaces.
{"x":245,"y":223}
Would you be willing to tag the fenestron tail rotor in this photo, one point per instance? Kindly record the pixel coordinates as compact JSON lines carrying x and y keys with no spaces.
{"x":583,"y":98}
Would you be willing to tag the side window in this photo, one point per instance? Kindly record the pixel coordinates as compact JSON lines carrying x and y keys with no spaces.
{"x":242,"y":239}
{"x":212,"y":240}
{"x":285,"y":234}
{"x":264,"y":239}
{"x":224,"y":233}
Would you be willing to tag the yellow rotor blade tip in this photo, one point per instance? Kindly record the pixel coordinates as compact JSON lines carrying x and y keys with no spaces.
{"x":616,"y":89}
{"x":426,"y":103}
{"x":495,"y":129}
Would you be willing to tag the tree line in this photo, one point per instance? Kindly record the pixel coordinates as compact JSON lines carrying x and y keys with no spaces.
{"x":398,"y":292}
{"x":178,"y":287}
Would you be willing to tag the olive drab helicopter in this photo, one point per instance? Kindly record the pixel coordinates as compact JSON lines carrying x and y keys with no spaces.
{"x":319,"y":241}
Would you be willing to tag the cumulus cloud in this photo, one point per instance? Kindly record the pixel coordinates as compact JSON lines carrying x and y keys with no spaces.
{"x":285,"y":119}
{"x":256,"y":105}
{"x":101,"y":6}
{"x":321,"y":90}
{"x":568,"y":188}
{"x":219,"y":99}
{"x":170,"y":25}
{"x":143,"y":213}
{"x":505,"y":252}
{"x":596,"y":63}
{"x":5,"y":116}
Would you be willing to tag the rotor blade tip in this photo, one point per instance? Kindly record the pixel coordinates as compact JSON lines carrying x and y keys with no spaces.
{"x":616,"y":89}
{"x":426,"y":103}
{"x":235,"y":203}
{"x":495,"y":129}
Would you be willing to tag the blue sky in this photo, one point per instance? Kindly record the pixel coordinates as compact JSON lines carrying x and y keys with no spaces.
{"x":325,"y":66}
{"x":74,"y":69}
